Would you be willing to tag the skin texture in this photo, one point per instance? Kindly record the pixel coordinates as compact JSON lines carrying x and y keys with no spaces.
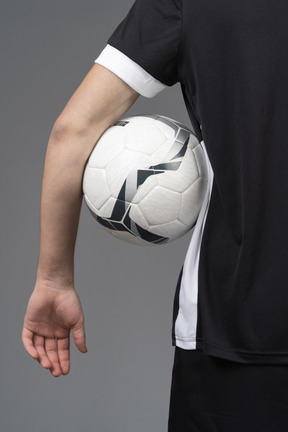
{"x":54,"y":309}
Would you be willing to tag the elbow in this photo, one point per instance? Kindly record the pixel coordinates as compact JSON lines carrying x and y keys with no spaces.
{"x":74,"y":128}
{"x":65,"y":127}
{"x":73,"y":139}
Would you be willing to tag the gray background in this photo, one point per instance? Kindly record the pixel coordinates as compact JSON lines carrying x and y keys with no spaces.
{"x":123,"y":383}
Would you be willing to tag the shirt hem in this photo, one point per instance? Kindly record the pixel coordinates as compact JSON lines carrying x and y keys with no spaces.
{"x":239,"y":356}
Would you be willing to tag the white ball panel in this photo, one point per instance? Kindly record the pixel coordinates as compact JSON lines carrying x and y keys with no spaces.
{"x":160,"y":155}
{"x":191,"y":202}
{"x":91,"y":207}
{"x":144,"y":139}
{"x":109,"y":145}
{"x":95,"y":186}
{"x":160,"y":206}
{"x":172,"y":230}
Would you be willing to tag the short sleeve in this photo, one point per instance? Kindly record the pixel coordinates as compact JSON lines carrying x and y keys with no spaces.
{"x":145,"y":46}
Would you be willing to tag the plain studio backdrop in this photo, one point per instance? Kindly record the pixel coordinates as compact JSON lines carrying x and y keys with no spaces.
{"x":123,"y":383}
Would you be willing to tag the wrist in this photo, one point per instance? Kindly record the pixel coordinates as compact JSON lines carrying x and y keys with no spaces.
{"x":59,"y":280}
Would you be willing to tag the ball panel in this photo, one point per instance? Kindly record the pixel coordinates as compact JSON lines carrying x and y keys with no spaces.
{"x":110,"y":145}
{"x":144,"y":138}
{"x":177,"y":228}
{"x":191,"y":202}
{"x":160,"y":206}
{"x":95,"y":187}
{"x":161,"y":155}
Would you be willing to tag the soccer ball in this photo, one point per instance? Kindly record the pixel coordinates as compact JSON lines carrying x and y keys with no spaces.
{"x":145,"y":180}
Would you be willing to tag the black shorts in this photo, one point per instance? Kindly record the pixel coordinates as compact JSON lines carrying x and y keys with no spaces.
{"x":209,"y":394}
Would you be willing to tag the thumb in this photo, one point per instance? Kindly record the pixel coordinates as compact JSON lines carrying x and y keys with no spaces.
{"x":79,"y":337}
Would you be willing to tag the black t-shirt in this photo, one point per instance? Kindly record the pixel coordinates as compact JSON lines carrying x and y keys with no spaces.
{"x":230,"y":58}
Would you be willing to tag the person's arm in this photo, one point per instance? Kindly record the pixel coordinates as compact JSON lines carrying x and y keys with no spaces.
{"x":54,"y":308}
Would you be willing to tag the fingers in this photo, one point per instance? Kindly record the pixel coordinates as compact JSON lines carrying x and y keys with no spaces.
{"x":51,"y":354}
{"x":27,"y":340}
{"x":51,"y":351}
{"x":79,"y":338}
{"x":63,"y":346}
{"x":43,"y":359}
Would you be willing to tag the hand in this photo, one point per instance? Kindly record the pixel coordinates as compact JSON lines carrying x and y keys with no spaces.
{"x":51,"y":314}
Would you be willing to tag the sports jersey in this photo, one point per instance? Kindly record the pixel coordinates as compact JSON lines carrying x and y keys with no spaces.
{"x":230,"y":58}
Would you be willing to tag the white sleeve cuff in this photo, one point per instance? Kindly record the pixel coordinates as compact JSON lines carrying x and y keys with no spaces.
{"x":130,"y":72}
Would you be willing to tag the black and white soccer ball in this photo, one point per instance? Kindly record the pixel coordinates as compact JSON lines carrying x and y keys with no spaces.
{"x":145,"y":179}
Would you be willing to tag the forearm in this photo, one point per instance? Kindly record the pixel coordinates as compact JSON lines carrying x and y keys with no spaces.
{"x":60,"y":209}
{"x":68,"y":149}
